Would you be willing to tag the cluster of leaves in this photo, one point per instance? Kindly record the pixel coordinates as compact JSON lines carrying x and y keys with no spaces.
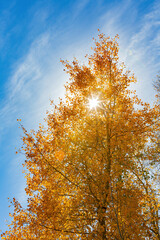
{"x":91,"y":174}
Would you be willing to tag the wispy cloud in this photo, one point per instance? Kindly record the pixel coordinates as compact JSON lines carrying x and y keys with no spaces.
{"x":30,"y":68}
{"x":24,"y":80}
{"x":78,"y":7}
{"x":139,"y":45}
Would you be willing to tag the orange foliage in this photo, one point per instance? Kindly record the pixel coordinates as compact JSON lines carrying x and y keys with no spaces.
{"x":89,"y":172}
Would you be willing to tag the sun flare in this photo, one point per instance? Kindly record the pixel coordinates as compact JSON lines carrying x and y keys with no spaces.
{"x":93,"y":103}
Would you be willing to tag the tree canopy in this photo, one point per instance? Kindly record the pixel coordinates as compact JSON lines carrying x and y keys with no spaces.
{"x":92,"y":172}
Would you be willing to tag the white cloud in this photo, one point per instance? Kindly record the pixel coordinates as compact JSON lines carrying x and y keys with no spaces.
{"x":78,"y":7}
{"x":139,"y":46}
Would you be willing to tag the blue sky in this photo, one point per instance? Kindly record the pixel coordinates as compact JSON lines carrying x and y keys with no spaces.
{"x":34,"y":35}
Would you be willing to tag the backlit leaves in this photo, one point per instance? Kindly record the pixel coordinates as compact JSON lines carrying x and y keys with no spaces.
{"x":89,"y":172}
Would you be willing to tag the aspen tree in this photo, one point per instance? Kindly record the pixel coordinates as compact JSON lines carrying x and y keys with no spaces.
{"x":88,"y":172}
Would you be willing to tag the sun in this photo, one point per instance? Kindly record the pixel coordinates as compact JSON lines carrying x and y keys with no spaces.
{"x":93,"y":103}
